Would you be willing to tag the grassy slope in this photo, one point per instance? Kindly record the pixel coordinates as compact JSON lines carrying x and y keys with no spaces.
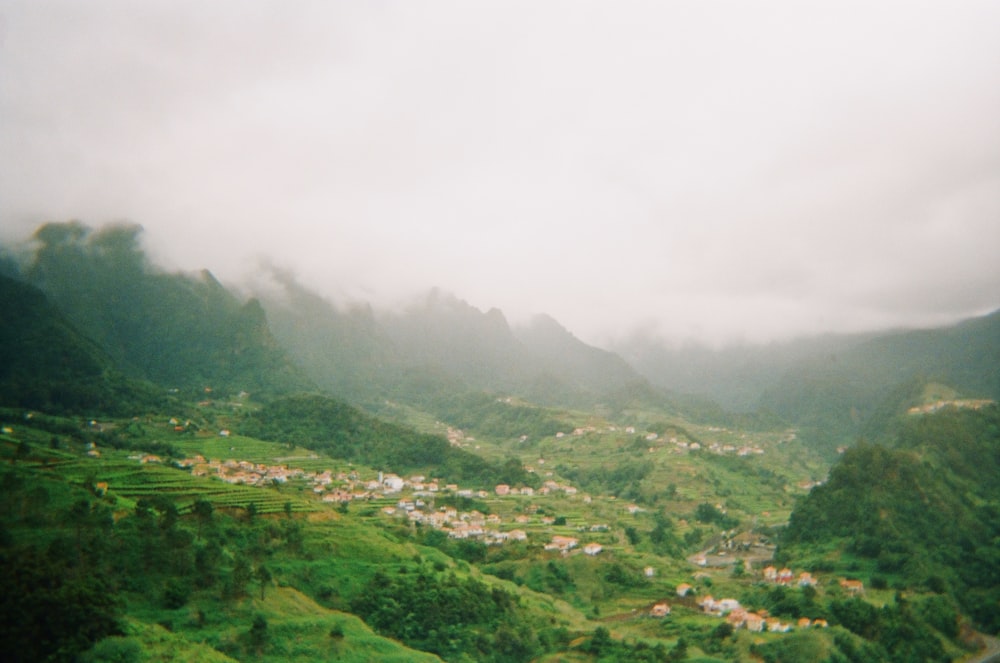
{"x":343,"y":552}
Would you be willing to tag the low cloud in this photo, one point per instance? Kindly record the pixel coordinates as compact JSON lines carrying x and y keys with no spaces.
{"x":715,"y":170}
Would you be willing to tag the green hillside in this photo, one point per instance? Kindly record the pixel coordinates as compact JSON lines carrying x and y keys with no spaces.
{"x":345,"y":432}
{"x":46,"y":364}
{"x":835,"y":396}
{"x":836,"y":387}
{"x":177,"y":331}
{"x":923,"y":513}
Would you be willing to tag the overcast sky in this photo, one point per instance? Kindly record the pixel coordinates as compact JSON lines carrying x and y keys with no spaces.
{"x":718,"y":170}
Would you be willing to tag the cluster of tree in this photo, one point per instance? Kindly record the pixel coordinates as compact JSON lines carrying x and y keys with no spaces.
{"x":905,"y":630}
{"x":70,"y":568}
{"x":622,"y":480}
{"x":486,"y":414}
{"x":926,"y":510}
{"x":709,"y":514}
{"x":343,"y":431}
{"x":602,"y":647}
{"x":56,"y":595}
{"x":456,"y":618}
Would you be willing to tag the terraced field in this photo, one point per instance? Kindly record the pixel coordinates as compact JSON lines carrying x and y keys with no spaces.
{"x":129,"y":481}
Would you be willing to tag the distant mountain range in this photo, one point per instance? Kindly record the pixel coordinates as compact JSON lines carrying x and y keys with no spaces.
{"x":189,"y":332}
{"x":440,"y":344}
{"x":836,"y":386}
{"x":178,"y":331}
{"x":47,"y":364}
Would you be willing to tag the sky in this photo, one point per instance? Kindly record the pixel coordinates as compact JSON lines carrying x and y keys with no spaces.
{"x":718,"y":171}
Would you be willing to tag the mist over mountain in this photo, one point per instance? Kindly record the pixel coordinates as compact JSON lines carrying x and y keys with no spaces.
{"x":179,"y":331}
{"x":191,"y":332}
{"x":832,"y":386}
{"x":737,"y":376}
{"x":436,"y":346}
{"x":47,"y":364}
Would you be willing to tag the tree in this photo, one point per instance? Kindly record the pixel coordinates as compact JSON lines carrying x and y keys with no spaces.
{"x":600,"y":641}
{"x":176,"y":593}
{"x":51,"y":611}
{"x":258,"y":631}
{"x":202,"y":510}
{"x":263,"y":576}
{"x":239,"y":577}
{"x":679,"y":652}
{"x":23,"y":450}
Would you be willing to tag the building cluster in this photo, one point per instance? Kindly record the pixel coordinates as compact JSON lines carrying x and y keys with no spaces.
{"x":967,"y":403}
{"x":786,"y":576}
{"x":457,"y":524}
{"x":346,"y":487}
{"x":739,"y":617}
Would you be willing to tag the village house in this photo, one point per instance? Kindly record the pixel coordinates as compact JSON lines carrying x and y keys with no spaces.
{"x":852,"y":586}
{"x":649,"y":572}
{"x":728,"y":605}
{"x":806,"y":579}
{"x":593,"y":549}
{"x":393,"y":483}
{"x":661,"y":609}
{"x":561,"y":543}
{"x":684,"y":589}
{"x":754,"y":623}
{"x":337,"y":496}
{"x":737,"y":618}
{"x":770,"y":573}
{"x":502,"y":489}
{"x":775,"y":625}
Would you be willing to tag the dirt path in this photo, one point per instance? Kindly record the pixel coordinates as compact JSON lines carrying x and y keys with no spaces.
{"x":755,"y":555}
{"x":989,"y":655}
